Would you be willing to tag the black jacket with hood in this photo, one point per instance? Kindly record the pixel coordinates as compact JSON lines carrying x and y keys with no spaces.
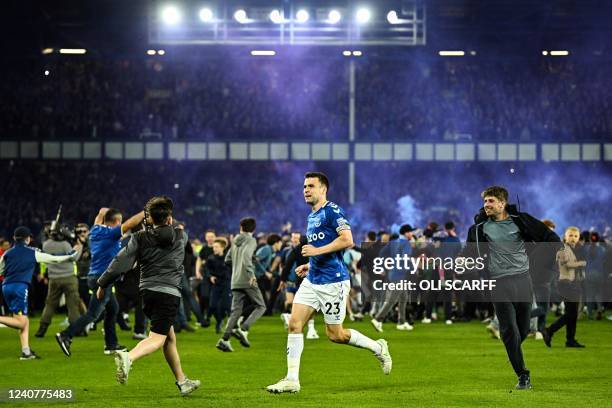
{"x":159,"y":252}
{"x":533,"y":232}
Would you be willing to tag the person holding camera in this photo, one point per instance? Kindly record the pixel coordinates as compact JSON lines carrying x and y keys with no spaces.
{"x":62,"y":280}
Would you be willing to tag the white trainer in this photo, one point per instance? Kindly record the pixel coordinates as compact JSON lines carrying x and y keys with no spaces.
{"x":426,"y":320}
{"x":187,"y":386}
{"x":449,"y":321}
{"x":284,"y":385}
{"x":312,"y":335}
{"x":123,"y":363}
{"x":386,"y":363}
{"x":539,"y":336}
{"x":404,"y":327}
{"x":378,"y":326}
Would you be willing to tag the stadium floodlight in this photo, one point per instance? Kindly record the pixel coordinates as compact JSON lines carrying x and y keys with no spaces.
{"x":559,"y":53}
{"x":72,"y":51}
{"x":276,"y":17}
{"x":241,"y":16}
{"x":334,"y":17}
{"x":357,"y":53}
{"x":150,"y":52}
{"x":302,"y":16}
{"x":363,"y":15}
{"x":47,"y":51}
{"x":46,"y":72}
{"x":161,"y":52}
{"x":392,"y":17}
{"x":206,"y":15}
{"x":346,"y":53}
{"x":544,"y":52}
{"x":263,"y":53}
{"x":171,"y":15}
{"x":451,"y":53}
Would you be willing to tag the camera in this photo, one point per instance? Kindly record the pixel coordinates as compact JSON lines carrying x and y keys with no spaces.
{"x":61,"y":232}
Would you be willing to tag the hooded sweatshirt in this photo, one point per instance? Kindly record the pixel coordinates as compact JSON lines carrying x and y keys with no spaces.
{"x":240,"y":257}
{"x":159,"y":253}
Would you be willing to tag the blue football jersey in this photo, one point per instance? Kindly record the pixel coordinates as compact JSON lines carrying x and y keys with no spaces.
{"x":324,"y":226}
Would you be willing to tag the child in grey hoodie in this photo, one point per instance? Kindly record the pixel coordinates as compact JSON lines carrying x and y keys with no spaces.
{"x":244,"y":286}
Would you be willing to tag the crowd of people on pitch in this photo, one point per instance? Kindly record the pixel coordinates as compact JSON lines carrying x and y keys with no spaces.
{"x":206,"y":294}
{"x":307,"y":99}
{"x":207,"y":200}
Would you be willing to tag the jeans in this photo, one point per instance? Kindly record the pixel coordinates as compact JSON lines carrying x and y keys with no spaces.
{"x":542,"y":297}
{"x":188,"y":296}
{"x":94,"y":310}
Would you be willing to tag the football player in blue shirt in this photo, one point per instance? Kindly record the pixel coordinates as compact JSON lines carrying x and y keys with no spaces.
{"x":104,"y":243}
{"x":326,"y":284}
{"x":17,"y":266}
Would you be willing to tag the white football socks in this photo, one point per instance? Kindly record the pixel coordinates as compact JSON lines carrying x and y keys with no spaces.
{"x":295,"y":346}
{"x":359,"y":340}
{"x":311,"y":325}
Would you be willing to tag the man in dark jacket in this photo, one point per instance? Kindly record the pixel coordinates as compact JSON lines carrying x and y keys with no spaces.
{"x":159,"y":252}
{"x":504,"y":237}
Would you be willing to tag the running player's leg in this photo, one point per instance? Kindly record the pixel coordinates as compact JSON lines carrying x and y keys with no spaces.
{"x":172,"y":356}
{"x":305,"y":304}
{"x":333,"y":299}
{"x":151,"y":344}
{"x":300,"y":315}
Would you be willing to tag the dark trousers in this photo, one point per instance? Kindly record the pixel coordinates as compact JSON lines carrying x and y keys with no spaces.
{"x":568,"y":320}
{"x":84,"y":290}
{"x":570,"y":293}
{"x":220,"y":300}
{"x":514,"y":314}
{"x":542,"y":297}
{"x":204,"y":297}
{"x":191,"y":305}
{"x":273,"y":295}
{"x":95,"y":309}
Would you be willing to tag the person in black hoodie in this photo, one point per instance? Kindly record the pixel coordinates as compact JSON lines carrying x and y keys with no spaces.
{"x":160,"y":252}
{"x":505,"y":238}
{"x":220,"y":279}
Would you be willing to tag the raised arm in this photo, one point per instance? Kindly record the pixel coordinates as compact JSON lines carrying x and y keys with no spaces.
{"x":132,"y":222}
{"x":100,"y":217}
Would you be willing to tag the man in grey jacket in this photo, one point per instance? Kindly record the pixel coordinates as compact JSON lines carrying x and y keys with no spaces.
{"x":244,"y":286}
{"x":159,"y":252}
{"x":62,"y":281}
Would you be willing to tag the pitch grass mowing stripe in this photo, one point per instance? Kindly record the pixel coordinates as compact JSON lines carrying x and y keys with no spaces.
{"x":435,"y":365}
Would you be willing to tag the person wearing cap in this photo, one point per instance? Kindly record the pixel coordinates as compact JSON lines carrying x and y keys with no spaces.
{"x":17,"y":265}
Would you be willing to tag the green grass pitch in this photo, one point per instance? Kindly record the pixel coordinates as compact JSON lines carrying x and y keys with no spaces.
{"x":433,"y":366}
